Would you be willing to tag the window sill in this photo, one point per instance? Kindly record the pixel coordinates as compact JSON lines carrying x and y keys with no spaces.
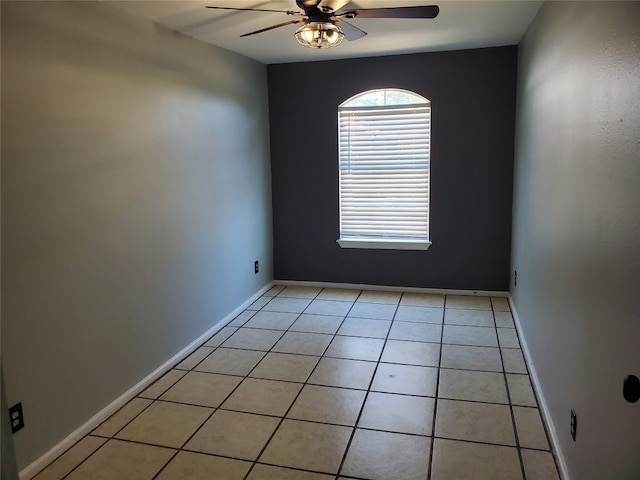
{"x":387,"y":244}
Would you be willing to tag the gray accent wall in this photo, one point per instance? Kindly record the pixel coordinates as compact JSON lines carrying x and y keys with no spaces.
{"x":472,"y":94}
{"x":576,"y":235}
{"x":136,"y":195}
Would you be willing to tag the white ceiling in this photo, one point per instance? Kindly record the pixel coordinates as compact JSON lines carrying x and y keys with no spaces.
{"x":460,"y":25}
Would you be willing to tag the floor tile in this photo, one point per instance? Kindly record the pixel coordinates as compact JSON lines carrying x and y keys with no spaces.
{"x":303,"y":343}
{"x":259,"y":303}
{"x":410,"y":313}
{"x":271,"y":320}
{"x":241,"y":319}
{"x":375,"y":311}
{"x":195,"y":358}
{"x":338,"y":372}
{"x":539,"y":465}
{"x":115,"y":422}
{"x":266,"y":397}
{"x":500,"y":304}
{"x":531,"y":433}
{"x":196,"y":466}
{"x":217,"y":339}
{"x":317,"y":323}
{"x":513,"y":360}
{"x":520,"y":390}
{"x":306,"y":445}
{"x":300,"y":292}
{"x":253,"y":371}
{"x":504,"y":320}
{"x":379,"y":296}
{"x":471,"y":302}
{"x":118,"y":459}
{"x":419,"y":332}
{"x":477,"y":422}
{"x":230,"y":361}
{"x":364,"y":327}
{"x":253,"y":339}
{"x":398,"y":413}
{"x":165,"y":424}
{"x":422,"y":299}
{"x":287,"y":304}
{"x":204,"y":389}
{"x":233,"y":434}
{"x":471,"y":318}
{"x":474,"y":386}
{"x":508,"y":338}
{"x":473,"y":336}
{"x":339,"y":406}
{"x":220,"y":337}
{"x":407,"y":379}
{"x":71,"y":458}
{"x":343,"y":294}
{"x":283,"y":366}
{"x":355,"y":348}
{"x":411,"y":353}
{"x":268,"y":472}
{"x":163,"y":383}
{"x":471,"y":358}
{"x":329,"y":307}
{"x":387,"y":456}
{"x":474,"y":461}
{"x":275,"y":290}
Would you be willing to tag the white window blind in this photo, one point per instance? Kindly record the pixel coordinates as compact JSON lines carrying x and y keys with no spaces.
{"x":384,"y":171}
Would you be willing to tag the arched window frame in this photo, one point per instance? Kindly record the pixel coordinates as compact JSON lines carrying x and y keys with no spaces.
{"x":384,"y":145}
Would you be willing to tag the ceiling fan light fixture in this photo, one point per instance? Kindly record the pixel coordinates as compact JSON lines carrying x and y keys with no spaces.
{"x":319,"y":35}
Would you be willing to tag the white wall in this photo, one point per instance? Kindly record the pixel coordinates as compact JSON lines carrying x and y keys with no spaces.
{"x":576,"y":239}
{"x":135,"y":199}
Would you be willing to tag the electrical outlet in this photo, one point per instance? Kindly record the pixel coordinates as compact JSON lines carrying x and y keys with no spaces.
{"x":574,"y":424}
{"x":515,"y":278}
{"x":17,"y":419}
{"x":256,"y":266}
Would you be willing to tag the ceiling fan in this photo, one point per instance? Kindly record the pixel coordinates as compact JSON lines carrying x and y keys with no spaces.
{"x":320,"y":20}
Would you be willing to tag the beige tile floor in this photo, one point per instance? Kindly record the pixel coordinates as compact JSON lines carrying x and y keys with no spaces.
{"x":313,"y":384}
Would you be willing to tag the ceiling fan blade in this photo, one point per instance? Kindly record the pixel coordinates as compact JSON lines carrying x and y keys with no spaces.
{"x":351,"y":32}
{"x":290,"y":22}
{"x":288,"y":12}
{"x":430,"y":11}
{"x":332,"y":6}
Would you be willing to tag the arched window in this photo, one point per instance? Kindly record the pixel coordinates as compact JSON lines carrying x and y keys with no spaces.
{"x":383,"y":157}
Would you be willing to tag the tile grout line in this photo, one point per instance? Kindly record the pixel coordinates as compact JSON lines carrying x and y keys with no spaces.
{"x":506,"y":385}
{"x":80,"y":463}
{"x":435,"y":402}
{"x":544,"y":424}
{"x":214,"y":349}
{"x":264,"y":447}
{"x":184,"y":444}
{"x":537,"y":407}
{"x":153,"y":400}
{"x":364,"y":402}
{"x":109,"y":438}
{"x":334,"y":335}
{"x":305,"y":383}
{"x":215,"y":409}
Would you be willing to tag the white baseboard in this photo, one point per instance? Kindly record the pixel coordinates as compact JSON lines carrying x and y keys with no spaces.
{"x":544,"y":409}
{"x":38,"y":465}
{"x":359,"y":286}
